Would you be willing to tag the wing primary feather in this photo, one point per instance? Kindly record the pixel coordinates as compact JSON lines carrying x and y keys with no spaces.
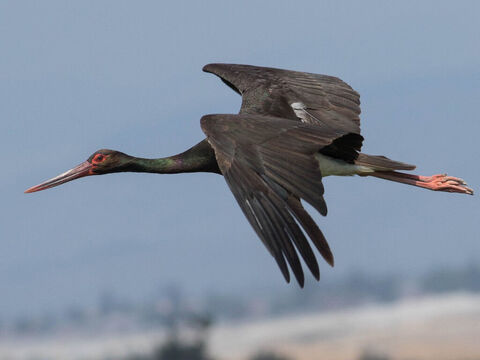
{"x":275,"y":226}
{"x":239,"y":185}
{"x":312,"y":229}
{"x":267,"y":214}
{"x":273,"y":233}
{"x":270,"y":165}
{"x":270,"y":91}
{"x":274,"y":213}
{"x":295,"y":233}
{"x":301,"y":189}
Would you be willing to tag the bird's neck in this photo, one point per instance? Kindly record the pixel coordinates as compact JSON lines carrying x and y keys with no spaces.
{"x":200,"y":158}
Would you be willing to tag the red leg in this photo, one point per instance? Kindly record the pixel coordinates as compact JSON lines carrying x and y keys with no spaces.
{"x":440,"y":182}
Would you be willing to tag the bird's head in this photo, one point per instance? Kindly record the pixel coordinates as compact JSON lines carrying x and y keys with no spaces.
{"x":100,"y":162}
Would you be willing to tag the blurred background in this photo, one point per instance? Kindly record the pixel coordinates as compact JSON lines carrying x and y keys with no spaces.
{"x":141,"y":266}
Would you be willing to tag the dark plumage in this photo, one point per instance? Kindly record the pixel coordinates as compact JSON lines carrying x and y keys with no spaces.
{"x":293,"y":128}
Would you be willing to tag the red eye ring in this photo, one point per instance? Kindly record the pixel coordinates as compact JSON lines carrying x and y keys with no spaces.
{"x":98,"y":158}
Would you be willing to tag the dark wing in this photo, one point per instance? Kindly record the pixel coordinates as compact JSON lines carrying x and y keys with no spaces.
{"x":269,"y":164}
{"x":312,"y":98}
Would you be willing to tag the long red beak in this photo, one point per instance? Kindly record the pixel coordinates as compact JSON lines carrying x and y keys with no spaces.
{"x":84,"y":169}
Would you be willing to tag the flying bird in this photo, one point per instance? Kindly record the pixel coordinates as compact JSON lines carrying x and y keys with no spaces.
{"x":293,"y":129}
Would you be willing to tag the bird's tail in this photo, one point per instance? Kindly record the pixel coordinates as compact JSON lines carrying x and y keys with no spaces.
{"x":381,"y":163}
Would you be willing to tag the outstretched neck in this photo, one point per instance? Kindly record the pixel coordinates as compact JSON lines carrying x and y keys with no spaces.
{"x":200,"y":158}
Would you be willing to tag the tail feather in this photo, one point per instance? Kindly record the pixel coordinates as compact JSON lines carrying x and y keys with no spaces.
{"x":381,"y":163}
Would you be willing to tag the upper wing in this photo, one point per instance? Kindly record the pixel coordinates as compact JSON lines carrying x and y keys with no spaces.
{"x":269,"y":164}
{"x":312,"y":98}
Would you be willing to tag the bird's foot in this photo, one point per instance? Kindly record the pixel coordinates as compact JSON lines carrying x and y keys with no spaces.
{"x":442,"y":182}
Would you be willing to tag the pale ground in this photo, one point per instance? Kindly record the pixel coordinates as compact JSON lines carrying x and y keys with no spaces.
{"x":440,"y":328}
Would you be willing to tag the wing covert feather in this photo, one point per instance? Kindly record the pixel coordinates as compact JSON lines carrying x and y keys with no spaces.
{"x":269,"y":164}
{"x":313,"y":98}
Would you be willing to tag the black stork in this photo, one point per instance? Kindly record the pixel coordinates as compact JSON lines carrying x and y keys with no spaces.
{"x":293,"y":129}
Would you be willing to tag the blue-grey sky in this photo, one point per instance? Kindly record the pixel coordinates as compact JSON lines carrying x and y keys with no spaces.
{"x":79,"y":76}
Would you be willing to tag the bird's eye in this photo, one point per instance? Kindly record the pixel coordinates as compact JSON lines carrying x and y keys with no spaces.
{"x":98,"y":158}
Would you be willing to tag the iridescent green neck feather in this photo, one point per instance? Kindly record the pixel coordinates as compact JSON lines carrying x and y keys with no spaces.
{"x":200,"y":158}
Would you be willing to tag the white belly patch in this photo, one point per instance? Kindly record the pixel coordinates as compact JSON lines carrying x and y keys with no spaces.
{"x":330,"y":166}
